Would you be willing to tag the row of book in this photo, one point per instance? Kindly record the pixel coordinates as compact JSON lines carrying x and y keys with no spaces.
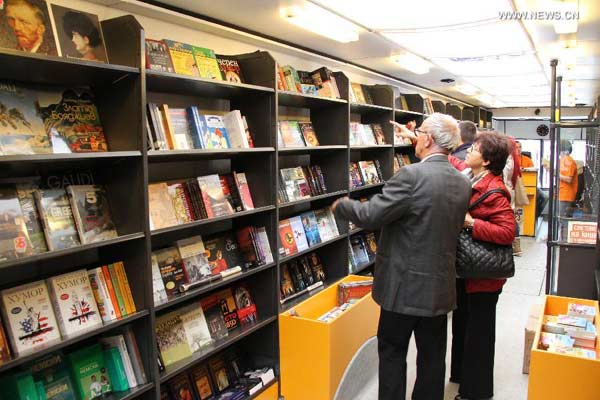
{"x":224,"y":376}
{"x":400,"y":160}
{"x":360,"y":93}
{"x":187,"y":330}
{"x":363,"y":248}
{"x":320,"y":82}
{"x":363,"y":173}
{"x":42,"y":312}
{"x":348,"y":293}
{"x":193,"y":262}
{"x":171,"y":128}
{"x":186,"y":59}
{"x":301,"y":183}
{"x":573,"y":333}
{"x":306,"y":230}
{"x":35,"y":220}
{"x":301,"y":275}
{"x":296,"y":134}
{"x":45,"y":119}
{"x":366,"y":134}
{"x":182,"y":201}
{"x":112,"y":364}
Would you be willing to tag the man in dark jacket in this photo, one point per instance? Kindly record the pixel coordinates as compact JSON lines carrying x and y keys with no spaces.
{"x":420,"y":212}
{"x":468,"y":131}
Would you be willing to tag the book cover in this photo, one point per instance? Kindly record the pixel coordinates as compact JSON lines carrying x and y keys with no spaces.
{"x":118,"y":342}
{"x":171,"y":338}
{"x":39,"y":37}
{"x":74,"y":303}
{"x":14,"y":240}
{"x":236,"y":131}
{"x":181,"y":207}
{"x":214,"y":317}
{"x":367,"y":135}
{"x":90,"y":375}
{"x":213,"y":197}
{"x":35,"y":232}
{"x":359,"y":251}
{"x":247,"y":132}
{"x":181,"y":131}
{"x":171,"y":269}
{"x":181,"y":387}
{"x":292,"y":80}
{"x":264,"y":244}
{"x":231,"y":191}
{"x":311,"y":228}
{"x":326,"y":230}
{"x":297,"y":278}
{"x":378,"y":133}
{"x":57,"y":218}
{"x":244,"y":190}
{"x":135,"y":355}
{"x":79,"y":34}
{"x":197,"y":127}
{"x":215,"y":134}
{"x":195,"y":327}
{"x":159,"y":292}
{"x":228,"y":308}
{"x":162,"y":212}
{"x":298,"y":231}
{"x":355,"y":176}
{"x":290,"y":134}
{"x":71,"y":117}
{"x":206,"y":62}
{"x":582,"y":311}
{"x":202,"y":383}
{"x":223,"y":252}
{"x":246,"y":308}
{"x":248,"y":245}
{"x":158,"y":57}
{"x":316,"y":267}
{"x":193,"y":255}
{"x":4,"y":347}
{"x":100,"y":290}
{"x":111,"y":273}
{"x":369,"y":172}
{"x":286,"y":238}
{"x":286,"y":286}
{"x":308,"y":133}
{"x":230,"y":68}
{"x":371,"y":244}
{"x":355,"y":134}
{"x":182,"y":56}
{"x":91,"y":210}
{"x":356,"y":88}
{"x":119,"y":268}
{"x":52,"y":372}
{"x":112,"y":291}
{"x":116,"y":370}
{"x":218,"y":371}
{"x":22,"y":129}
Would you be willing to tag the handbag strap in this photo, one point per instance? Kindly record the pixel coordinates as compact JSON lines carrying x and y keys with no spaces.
{"x":485,"y":196}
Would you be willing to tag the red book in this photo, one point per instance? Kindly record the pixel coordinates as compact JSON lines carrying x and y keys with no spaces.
{"x":244,"y":190}
{"x":245,"y":238}
{"x":246,"y":308}
{"x":286,"y":236}
{"x":111,"y":290}
{"x":4,"y":349}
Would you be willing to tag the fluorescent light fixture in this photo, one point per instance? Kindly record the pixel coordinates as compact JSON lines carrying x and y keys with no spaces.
{"x":412,"y":62}
{"x":503,"y":65}
{"x":467,"y":89}
{"x":569,"y":16}
{"x":500,"y":83}
{"x":320,"y":21}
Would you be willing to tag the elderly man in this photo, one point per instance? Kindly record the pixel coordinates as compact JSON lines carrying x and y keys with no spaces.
{"x":420,"y":212}
{"x":30,"y":24}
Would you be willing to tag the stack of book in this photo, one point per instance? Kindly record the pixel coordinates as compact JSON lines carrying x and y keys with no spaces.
{"x":183,"y":201}
{"x":319,"y":82}
{"x":296,"y":134}
{"x":366,"y":134}
{"x":400,"y":160}
{"x":189,"y":329}
{"x":360,"y":94}
{"x":40,"y":313}
{"x":304,"y":231}
{"x":573,"y":333}
{"x":348,"y":293}
{"x":170,"y":128}
{"x":363,"y":247}
{"x":300,"y":276}
{"x":365,"y":173}
{"x":301,"y":183}
{"x":112,"y":364}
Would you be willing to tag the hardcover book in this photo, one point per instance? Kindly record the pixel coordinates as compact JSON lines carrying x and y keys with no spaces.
{"x":182,"y":56}
{"x":308,"y":133}
{"x":228,"y":308}
{"x":214,"y":317}
{"x":223,"y":252}
{"x":181,"y":387}
{"x":236,"y":131}
{"x":358,"y":93}
{"x":181,"y":132}
{"x":290,"y":134}
{"x":311,"y":228}
{"x":195,"y":327}
{"x":118,"y":342}
{"x":244,"y":190}
{"x":324,"y":224}
{"x":316,"y":267}
{"x":171,"y":270}
{"x":367,"y":135}
{"x":13,"y":37}
{"x":158,"y":57}
{"x":171,"y":338}
{"x":246,"y":308}
{"x":14,"y":240}
{"x":206,"y":62}
{"x":307,"y":274}
{"x":89,"y":372}
{"x":355,"y":176}
{"x":116,"y":370}
{"x":213,"y":197}
{"x":359,"y":251}
{"x":57,"y":219}
{"x":215,"y":134}
{"x":297,"y":279}
{"x":35,"y":232}
{"x":74,"y":303}
{"x":231,"y":191}
{"x":230,"y":69}
{"x":298,"y":231}
{"x":265,"y":247}
{"x":286,"y":237}
{"x":295,"y":183}
{"x":218,"y":371}
{"x":201,"y":380}
{"x":162,"y":212}
{"x":92,"y":213}
{"x":286,"y":285}
{"x":246,"y":238}
{"x":194,"y":258}
{"x":182,"y":208}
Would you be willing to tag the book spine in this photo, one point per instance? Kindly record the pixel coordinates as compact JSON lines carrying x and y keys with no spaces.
{"x":125,"y":356}
{"x":56,"y":307}
{"x":44,"y":219}
{"x":76,"y":215}
{"x":206,"y":205}
{"x":111,"y":290}
{"x":126,"y":289}
{"x":136,"y":357}
{"x":118,"y":292}
{"x":378,"y":168}
{"x":236,"y":199}
{"x":321,"y":178}
{"x":195,"y":128}
{"x":158,"y":127}
{"x":281,"y":82}
{"x":168,"y":128}
{"x":100,"y":299}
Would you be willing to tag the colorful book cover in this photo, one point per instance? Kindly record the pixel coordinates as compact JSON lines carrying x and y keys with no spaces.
{"x":159,"y":292}
{"x":223,"y":252}
{"x":171,"y":338}
{"x":119,"y":268}
{"x":307,"y":273}
{"x":358,"y":93}
{"x":22,"y":128}
{"x":195,"y":327}
{"x":110,"y":272}
{"x":236,"y":131}
{"x":218,"y":371}
{"x":91,"y":210}
{"x":244,"y":190}
{"x":359,"y":251}
{"x":215,"y":134}
{"x":162,"y":212}
{"x":290,"y":134}
{"x":286,"y":285}
{"x":316,"y":266}
{"x":171,"y":270}
{"x":178,"y":122}
{"x":367,"y":135}
{"x":14,"y":241}
{"x":246,"y":308}
{"x":89,"y":372}
{"x":182,"y":56}
{"x":378,"y":133}
{"x":246,"y":238}
{"x":100,"y":290}
{"x":38,"y":39}
{"x":206,"y":62}
{"x":308,"y":133}
{"x":116,"y":370}
{"x":35,"y":232}
{"x":57,"y":219}
{"x":355,"y":176}
{"x":230,"y":69}
{"x":193,"y":255}
{"x":201,"y":380}
{"x":298,"y":231}
{"x":182,"y":210}
{"x":326,"y":230}
{"x":368,"y":172}
{"x":229,"y":309}
{"x":158,"y":57}
{"x":52,"y":371}
{"x":265,"y":246}
{"x":181,"y":387}
{"x":231,"y":191}
{"x":213,"y":196}
{"x":311,"y":228}
{"x":297,"y":278}
{"x":286,"y":237}
{"x":214,"y":317}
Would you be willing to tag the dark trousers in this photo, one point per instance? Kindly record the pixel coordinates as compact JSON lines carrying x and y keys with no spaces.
{"x":393,"y":337}
{"x":473,"y":342}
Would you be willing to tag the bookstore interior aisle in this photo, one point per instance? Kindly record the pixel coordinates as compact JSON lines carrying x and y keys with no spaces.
{"x":166,"y":184}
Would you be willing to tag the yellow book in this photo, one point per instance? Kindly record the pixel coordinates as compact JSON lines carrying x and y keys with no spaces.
{"x":206,"y":62}
{"x":182,"y":55}
{"x":125,"y":288}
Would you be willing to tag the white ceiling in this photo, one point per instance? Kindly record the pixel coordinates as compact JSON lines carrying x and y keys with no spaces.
{"x":464,"y":39}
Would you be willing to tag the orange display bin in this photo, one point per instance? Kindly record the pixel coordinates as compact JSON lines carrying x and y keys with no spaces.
{"x":559,"y":376}
{"x":272,"y":393}
{"x":315,"y":354}
{"x":527,"y":220}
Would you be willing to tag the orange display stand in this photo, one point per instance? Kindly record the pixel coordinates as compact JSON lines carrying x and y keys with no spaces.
{"x":314,"y":354}
{"x":527,"y":223}
{"x":559,"y":376}
{"x":271,"y":393}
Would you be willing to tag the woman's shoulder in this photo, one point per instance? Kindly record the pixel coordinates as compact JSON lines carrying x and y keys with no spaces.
{"x":491,"y":182}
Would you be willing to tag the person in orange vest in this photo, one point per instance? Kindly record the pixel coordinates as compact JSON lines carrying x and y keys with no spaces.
{"x":526,"y":162}
{"x":567,"y":190}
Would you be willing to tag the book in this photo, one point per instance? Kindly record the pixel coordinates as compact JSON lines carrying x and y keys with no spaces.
{"x":14,"y":241}
{"x":264,"y":245}
{"x":57,"y":218}
{"x":181,"y":131}
{"x":4,"y":347}
{"x":290,"y":134}
{"x":358,"y":251}
{"x":213,"y":197}
{"x":298,"y":232}
{"x":89,"y":371}
{"x":91,"y":211}
{"x":158,"y":57}
{"x":230,"y":189}
{"x":72,"y":120}
{"x":228,"y":308}
{"x":295,"y":184}
{"x":316,"y":267}
{"x":327,"y":230}
{"x":371,"y":244}
{"x":124,"y":287}
{"x":135,"y":355}
{"x":162,"y":212}
{"x":35,"y":232}
{"x":292,"y":79}
{"x":23,"y":129}
{"x":193,"y":255}
{"x":308,"y":133}
{"x":582,"y":311}
{"x":356,"y":180}
{"x":236,"y":131}
{"x":195,"y":327}
{"x":181,"y":387}
{"x":115,"y":300}
{"x":246,"y":238}
{"x":118,"y":342}
{"x":297,"y":279}
{"x":218,"y":372}
{"x":246,"y":309}
{"x":110,"y":274}
{"x":356,"y":89}
{"x":223,"y":252}
{"x":286,"y":237}
{"x":202,"y":383}
{"x":307,"y":274}
{"x":369,"y":173}
{"x":214,"y":317}
{"x":171,"y":269}
{"x":244,"y":190}
{"x":171,"y":338}
{"x":311,"y":228}
{"x":286,"y":286}
{"x":350,"y":292}
{"x":159,"y":292}
{"x":40,"y":38}
{"x":182,"y":56}
{"x":181,"y":206}
{"x":231,"y":70}
{"x":116,"y":370}
{"x":215,"y":134}
{"x":206,"y":62}
{"x":52,"y":372}
{"x":378,"y":133}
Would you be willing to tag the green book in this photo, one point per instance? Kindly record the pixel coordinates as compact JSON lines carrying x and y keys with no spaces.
{"x":18,"y":386}
{"x":115,"y":282}
{"x":116,"y":370}
{"x":41,"y":391}
{"x":53,"y":373}
{"x":206,"y":61}
{"x":89,"y":373}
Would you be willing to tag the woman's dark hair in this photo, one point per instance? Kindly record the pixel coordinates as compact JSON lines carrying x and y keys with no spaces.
{"x":566,"y":146}
{"x":82,"y":24}
{"x":494,"y":148}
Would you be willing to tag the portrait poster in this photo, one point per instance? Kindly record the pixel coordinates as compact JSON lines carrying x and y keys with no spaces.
{"x":25,"y":25}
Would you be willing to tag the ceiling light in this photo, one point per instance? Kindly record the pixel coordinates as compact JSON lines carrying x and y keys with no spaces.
{"x":467,"y":89}
{"x":320,"y":21}
{"x":412,"y":62}
{"x":569,"y":15}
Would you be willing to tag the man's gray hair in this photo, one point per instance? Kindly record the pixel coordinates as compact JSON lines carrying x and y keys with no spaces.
{"x":444,"y":131}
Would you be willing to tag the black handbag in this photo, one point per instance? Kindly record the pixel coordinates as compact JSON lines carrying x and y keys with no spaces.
{"x":476,"y":259}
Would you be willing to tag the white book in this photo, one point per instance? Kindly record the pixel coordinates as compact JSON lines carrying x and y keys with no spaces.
{"x":102,"y":295}
{"x":236,"y":130}
{"x":367,"y":136}
{"x":326,"y":231}
{"x":118,"y":342}
{"x":334,"y":227}
{"x":136,"y":357}
{"x":194,"y":258}
{"x":158,"y":286}
{"x":74,"y":303}
{"x":299,"y":235}
{"x":29,"y":317}
{"x":195,"y":327}
{"x":263,"y":241}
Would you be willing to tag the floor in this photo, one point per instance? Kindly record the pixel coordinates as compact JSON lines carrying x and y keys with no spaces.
{"x":519,"y":293}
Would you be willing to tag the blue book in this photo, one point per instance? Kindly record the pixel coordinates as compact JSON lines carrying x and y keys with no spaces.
{"x":215,"y":134}
{"x":311,"y":228}
{"x":196,"y":127}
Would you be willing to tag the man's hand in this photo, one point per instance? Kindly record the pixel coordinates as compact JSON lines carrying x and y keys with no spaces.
{"x":336,"y":202}
{"x":403,"y":130}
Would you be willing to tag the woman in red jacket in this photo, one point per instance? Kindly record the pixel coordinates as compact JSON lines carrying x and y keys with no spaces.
{"x":474,"y":320}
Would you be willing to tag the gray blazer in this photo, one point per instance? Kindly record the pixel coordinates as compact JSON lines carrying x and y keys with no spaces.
{"x":420,"y":212}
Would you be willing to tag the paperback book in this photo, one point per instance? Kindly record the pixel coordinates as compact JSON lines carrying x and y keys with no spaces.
{"x":206,"y":63}
{"x":35,"y":231}
{"x":182,"y":56}
{"x":230,"y":69}
{"x":171,"y":338}
{"x":14,"y":241}
{"x":171,"y":269}
{"x":195,"y":327}
{"x":193,"y":255}
{"x":158,"y":57}
{"x":57,"y":218}
{"x":91,"y":210}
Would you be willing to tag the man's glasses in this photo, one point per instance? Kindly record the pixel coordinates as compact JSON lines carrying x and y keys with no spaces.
{"x":421,"y":132}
